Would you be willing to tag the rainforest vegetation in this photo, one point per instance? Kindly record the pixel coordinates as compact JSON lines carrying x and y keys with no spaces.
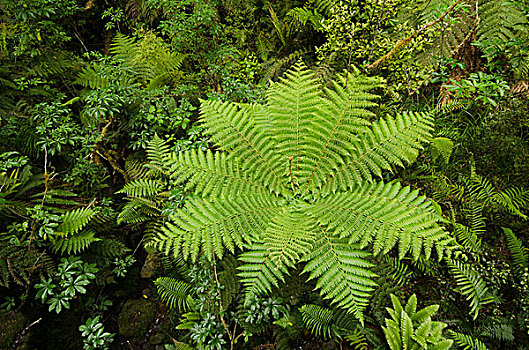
{"x":251,"y":174}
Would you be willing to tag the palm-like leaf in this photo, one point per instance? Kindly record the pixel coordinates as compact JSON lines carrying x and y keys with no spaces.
{"x":293,"y":182}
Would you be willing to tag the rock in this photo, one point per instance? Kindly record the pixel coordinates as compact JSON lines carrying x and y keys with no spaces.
{"x":135,"y":317}
{"x":10,"y":324}
{"x":157,"y":338}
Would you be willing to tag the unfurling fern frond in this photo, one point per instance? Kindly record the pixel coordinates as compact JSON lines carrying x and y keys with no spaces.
{"x":471,"y":285}
{"x":466,"y":342}
{"x":175,"y":293}
{"x":518,"y":251}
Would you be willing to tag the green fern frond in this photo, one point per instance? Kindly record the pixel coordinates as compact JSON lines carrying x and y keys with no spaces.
{"x":92,"y":77}
{"x":212,"y":175}
{"x":175,"y":293}
{"x":74,"y":244}
{"x":392,"y":141}
{"x":466,"y":342}
{"x":229,"y":280}
{"x":141,"y":188}
{"x":319,"y":320}
{"x":382,"y":215}
{"x":500,"y":20}
{"x":286,"y":240}
{"x":343,"y":273}
{"x":410,"y":328}
{"x":109,"y":247}
{"x":135,"y":169}
{"x":467,"y":237}
{"x":345,"y":113}
{"x":132,"y":213}
{"x":217,"y":225}
{"x":74,"y":220}
{"x":235,"y":131}
{"x":518,"y":251}
{"x":471,"y":285}
{"x":442,"y":147}
{"x":265,"y":197}
{"x":159,"y":156}
{"x":332,"y":324}
{"x":498,"y":329}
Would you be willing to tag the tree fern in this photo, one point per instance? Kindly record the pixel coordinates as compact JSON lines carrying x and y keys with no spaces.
{"x":293,"y":182}
{"x":471,"y":285}
{"x":518,"y":251}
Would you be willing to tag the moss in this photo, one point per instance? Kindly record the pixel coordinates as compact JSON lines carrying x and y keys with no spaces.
{"x":135,"y":317}
{"x":10,"y":324}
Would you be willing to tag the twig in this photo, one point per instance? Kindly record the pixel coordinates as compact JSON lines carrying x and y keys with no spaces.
{"x":402,"y":43}
{"x":376,"y":30}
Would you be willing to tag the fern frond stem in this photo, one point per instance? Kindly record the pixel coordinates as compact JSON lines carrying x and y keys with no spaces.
{"x":291,"y":176}
{"x":326,"y":146}
{"x":297,"y":134}
{"x":403,"y":42}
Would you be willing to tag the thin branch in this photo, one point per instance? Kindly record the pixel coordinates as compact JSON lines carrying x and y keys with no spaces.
{"x":402,"y":43}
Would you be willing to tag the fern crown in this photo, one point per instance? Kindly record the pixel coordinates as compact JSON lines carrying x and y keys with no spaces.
{"x":294,"y":180}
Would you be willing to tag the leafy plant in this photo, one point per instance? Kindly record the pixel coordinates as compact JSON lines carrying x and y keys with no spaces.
{"x":74,"y":275}
{"x":294,"y":183}
{"x":94,"y":335}
{"x":410,"y":328}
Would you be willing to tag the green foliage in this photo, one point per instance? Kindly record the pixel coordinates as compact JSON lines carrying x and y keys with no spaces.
{"x":332,"y":324}
{"x":295,"y":155}
{"x":175,"y":293}
{"x":73,"y":275}
{"x":466,"y":342}
{"x":410,"y":328}
{"x":94,"y":335}
{"x":442,"y":147}
{"x":471,"y":285}
{"x":518,"y":251}
{"x":500,"y":20}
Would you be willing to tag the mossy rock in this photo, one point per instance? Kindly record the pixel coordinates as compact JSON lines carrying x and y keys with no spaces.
{"x":10,"y":324}
{"x":135,"y":317}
